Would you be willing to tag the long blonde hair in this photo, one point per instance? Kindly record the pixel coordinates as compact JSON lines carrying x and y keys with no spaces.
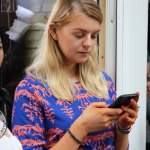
{"x":48,"y":64}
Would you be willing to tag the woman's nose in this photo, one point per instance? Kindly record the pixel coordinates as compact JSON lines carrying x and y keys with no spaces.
{"x":87,"y":42}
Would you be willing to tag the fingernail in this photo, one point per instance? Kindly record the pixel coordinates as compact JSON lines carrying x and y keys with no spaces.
{"x":123,"y":107}
{"x":132,"y":100}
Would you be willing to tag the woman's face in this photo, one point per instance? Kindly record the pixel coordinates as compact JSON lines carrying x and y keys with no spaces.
{"x":78,"y":38}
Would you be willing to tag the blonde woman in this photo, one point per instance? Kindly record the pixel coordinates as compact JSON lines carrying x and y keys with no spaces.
{"x":62,"y":102}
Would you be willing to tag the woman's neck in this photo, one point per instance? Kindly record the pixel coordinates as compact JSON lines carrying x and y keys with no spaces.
{"x":71,"y":73}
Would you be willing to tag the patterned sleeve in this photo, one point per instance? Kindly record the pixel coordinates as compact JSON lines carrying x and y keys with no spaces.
{"x":27,"y":117}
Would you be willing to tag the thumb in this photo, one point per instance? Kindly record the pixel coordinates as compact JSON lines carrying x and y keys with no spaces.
{"x":99,"y":104}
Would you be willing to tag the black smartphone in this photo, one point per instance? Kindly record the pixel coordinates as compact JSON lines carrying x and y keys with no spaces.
{"x":123,"y":100}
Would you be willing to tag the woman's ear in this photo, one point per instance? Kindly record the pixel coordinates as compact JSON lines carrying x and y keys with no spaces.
{"x":52,"y":31}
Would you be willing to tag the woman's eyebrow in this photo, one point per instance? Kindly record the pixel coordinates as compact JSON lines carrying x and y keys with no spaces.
{"x":83,"y":30}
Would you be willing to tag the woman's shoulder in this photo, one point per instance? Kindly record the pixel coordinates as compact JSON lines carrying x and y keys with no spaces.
{"x":29,"y":82}
{"x":106,"y":76}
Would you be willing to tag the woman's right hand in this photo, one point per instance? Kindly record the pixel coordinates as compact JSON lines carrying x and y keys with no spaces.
{"x":97,"y":117}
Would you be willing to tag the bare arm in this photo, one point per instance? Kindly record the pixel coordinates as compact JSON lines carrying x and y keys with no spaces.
{"x":95,"y":118}
{"x":67,"y":142}
{"x":121,"y":141}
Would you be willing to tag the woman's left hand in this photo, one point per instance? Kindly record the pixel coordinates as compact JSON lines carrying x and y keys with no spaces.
{"x":128,"y":118}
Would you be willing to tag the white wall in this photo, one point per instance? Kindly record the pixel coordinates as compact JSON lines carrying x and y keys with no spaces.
{"x":132,"y":60}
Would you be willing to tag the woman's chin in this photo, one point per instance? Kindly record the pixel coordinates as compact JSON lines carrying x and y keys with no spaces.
{"x":82,"y":61}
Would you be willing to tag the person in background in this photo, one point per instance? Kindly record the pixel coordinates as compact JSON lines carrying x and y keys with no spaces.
{"x":7,"y":140}
{"x":1,"y":52}
{"x":62,"y":102}
{"x":148,"y":87}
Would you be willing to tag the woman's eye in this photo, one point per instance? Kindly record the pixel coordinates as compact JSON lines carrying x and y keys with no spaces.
{"x":79,"y":36}
{"x":94,"y":37}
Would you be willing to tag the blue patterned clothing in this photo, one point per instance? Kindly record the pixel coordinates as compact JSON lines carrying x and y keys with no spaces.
{"x":39,"y":119}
